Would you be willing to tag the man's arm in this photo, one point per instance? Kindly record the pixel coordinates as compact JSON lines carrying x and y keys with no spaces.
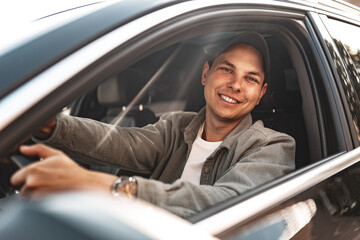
{"x":98,"y":143}
{"x":46,"y":130}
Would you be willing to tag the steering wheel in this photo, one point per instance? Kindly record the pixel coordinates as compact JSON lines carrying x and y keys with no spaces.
{"x":8,"y":166}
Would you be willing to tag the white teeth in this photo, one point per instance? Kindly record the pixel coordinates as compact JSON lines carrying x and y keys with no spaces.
{"x":227,"y":99}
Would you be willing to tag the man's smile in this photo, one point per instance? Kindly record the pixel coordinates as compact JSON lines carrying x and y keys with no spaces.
{"x":228,"y":99}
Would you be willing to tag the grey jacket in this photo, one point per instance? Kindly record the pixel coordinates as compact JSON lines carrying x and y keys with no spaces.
{"x":249,"y":156}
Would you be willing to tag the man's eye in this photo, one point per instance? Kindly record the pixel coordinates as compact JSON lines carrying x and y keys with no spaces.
{"x":253,"y":80}
{"x":225,"y":69}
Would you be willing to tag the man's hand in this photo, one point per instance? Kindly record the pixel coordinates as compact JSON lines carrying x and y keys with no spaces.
{"x":56,"y":172}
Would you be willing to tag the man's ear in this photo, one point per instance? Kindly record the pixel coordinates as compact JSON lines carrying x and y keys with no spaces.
{"x":262,"y":93}
{"x":205,"y":71}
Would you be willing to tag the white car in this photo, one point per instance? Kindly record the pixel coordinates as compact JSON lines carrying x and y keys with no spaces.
{"x":129,"y":62}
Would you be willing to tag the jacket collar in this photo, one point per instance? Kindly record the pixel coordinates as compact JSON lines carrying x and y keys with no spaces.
{"x":192,"y":129}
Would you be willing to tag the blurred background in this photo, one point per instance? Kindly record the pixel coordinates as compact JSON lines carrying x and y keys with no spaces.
{"x":20,"y":11}
{"x":355,"y":2}
{"x":15,"y":14}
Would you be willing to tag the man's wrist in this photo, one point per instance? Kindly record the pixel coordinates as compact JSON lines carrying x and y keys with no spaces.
{"x":45,"y":131}
{"x":125,"y":184}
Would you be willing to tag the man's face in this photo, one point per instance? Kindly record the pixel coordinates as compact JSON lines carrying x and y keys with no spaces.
{"x":233,"y":85}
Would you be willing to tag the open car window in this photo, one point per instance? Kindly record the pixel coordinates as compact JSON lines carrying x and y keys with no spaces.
{"x":167,"y":79}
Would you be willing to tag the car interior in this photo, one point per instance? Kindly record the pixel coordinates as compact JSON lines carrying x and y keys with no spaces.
{"x":169,"y":80}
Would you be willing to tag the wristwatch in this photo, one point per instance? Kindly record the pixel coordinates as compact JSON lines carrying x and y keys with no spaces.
{"x":125,"y":184}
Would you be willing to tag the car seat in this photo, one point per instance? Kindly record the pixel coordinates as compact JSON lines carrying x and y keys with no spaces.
{"x":118,"y":94}
{"x":281,"y":107}
{"x":124,"y":108}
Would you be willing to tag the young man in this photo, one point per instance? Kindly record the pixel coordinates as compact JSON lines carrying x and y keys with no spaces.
{"x":195,"y":160}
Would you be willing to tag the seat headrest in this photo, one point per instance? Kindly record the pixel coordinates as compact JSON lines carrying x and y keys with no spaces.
{"x":283,"y":92}
{"x":109,"y":93}
{"x":120,"y":90}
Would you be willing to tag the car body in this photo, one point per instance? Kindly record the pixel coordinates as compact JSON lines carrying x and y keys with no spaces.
{"x":129,"y":62}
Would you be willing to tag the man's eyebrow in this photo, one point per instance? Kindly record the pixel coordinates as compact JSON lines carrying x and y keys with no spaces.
{"x":255,"y":73}
{"x":228,"y":63}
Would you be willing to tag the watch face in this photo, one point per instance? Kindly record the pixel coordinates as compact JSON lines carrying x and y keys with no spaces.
{"x":124,"y":184}
{"x":127,"y":185}
{"x":131,"y":187}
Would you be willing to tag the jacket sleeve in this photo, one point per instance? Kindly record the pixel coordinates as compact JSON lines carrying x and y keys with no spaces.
{"x":97,"y":143}
{"x":273,"y":159}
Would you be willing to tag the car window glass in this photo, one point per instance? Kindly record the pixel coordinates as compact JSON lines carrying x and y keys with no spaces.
{"x":348,"y":34}
{"x":346,"y":37}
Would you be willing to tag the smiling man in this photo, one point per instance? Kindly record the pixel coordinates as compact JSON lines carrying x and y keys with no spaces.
{"x":233,"y":86}
{"x":195,"y":160}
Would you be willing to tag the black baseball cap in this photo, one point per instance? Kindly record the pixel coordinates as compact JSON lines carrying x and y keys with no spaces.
{"x":251,"y":38}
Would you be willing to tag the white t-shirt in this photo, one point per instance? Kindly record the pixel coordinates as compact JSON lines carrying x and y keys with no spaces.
{"x":200,"y":150}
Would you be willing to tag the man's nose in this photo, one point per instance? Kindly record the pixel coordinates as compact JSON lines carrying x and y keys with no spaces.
{"x":236,"y":84}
